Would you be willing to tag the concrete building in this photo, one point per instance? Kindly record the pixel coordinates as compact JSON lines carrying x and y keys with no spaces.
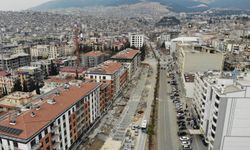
{"x":44,"y":65}
{"x":136,"y":40}
{"x":130,"y":58}
{"x":222,"y":105}
{"x":92,"y":59}
{"x":184,"y":40}
{"x":29,"y":77}
{"x":57,"y":122}
{"x":45,"y":51}
{"x":9,"y":61}
{"x":110,"y":72}
{"x":7,"y":82}
{"x":198,"y":58}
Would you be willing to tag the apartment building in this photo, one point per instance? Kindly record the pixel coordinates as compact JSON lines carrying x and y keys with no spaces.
{"x":45,"y":51}
{"x":136,"y":40}
{"x":29,"y":77}
{"x":9,"y":61}
{"x":55,"y":122}
{"x":92,"y":58}
{"x":44,"y":65}
{"x":192,"y":58}
{"x":7,"y":82}
{"x":222,"y":105}
{"x":130,"y":58}
{"x":110,"y":72}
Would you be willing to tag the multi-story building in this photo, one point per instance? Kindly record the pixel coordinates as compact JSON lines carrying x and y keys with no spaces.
{"x":30,"y":77}
{"x":56,"y":122}
{"x":130,"y":58}
{"x":7,"y":82}
{"x":222,"y":105}
{"x":44,"y":65}
{"x":45,"y":51}
{"x":192,"y":58}
{"x":92,"y":59}
{"x":136,"y":40}
{"x":9,"y":61}
{"x":110,"y":72}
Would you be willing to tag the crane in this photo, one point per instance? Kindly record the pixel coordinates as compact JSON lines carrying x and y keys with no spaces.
{"x":76,"y":33}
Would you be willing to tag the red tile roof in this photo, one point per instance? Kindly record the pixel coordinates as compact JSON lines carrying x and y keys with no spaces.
{"x":108,"y":67}
{"x":126,"y":54}
{"x":47,"y":113}
{"x":93,"y":53}
{"x":73,"y":69}
{"x":4,"y":73}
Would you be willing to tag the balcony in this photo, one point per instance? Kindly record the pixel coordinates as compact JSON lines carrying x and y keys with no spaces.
{"x":55,"y":138}
{"x":37,"y":146}
{"x":56,"y":146}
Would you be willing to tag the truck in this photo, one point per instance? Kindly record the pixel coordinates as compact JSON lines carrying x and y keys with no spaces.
{"x":144,"y":125}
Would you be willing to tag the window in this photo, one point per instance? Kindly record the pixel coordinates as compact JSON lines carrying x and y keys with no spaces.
{"x":47,"y":140}
{"x":15,"y":144}
{"x":58,"y":121}
{"x":63,"y":117}
{"x":40,"y":137}
{"x":46,"y":131}
{"x":104,"y":77}
{"x":33,"y":142}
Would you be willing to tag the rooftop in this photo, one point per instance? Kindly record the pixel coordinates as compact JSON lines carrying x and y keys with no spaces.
{"x":29,"y":125}
{"x":93,"y":54}
{"x":107,"y":67}
{"x":126,"y":54}
{"x":16,"y":99}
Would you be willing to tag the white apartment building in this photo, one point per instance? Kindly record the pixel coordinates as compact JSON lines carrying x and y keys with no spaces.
{"x":222,"y":105}
{"x":136,"y":40}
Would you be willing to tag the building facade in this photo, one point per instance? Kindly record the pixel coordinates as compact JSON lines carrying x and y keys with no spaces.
{"x":130,"y":58}
{"x":92,"y":59}
{"x":57,"y":122}
{"x":9,"y":61}
{"x":222,"y":104}
{"x":136,"y":40}
{"x":110,"y":72}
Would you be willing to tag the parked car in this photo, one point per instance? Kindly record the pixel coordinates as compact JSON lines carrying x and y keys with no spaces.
{"x":180,"y":121}
{"x":182,"y":127}
{"x":184,"y":138}
{"x":185,"y":143}
{"x":181,"y":133}
{"x":181,"y":117}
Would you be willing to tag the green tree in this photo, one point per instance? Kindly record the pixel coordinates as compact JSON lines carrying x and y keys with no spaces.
{"x":17,"y":85}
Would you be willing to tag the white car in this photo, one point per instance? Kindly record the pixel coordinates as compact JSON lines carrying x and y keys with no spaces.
{"x":184,"y":138}
{"x":185,"y":143}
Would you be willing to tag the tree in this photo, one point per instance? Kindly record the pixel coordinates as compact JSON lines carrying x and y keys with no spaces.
{"x":54,"y":70}
{"x":143,"y":52}
{"x":25,"y":88}
{"x":17,"y":85}
{"x":37,"y":89}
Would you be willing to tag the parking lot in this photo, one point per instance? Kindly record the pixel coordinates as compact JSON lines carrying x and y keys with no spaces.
{"x":185,"y":119}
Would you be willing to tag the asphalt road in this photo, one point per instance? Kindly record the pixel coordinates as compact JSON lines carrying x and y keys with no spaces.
{"x":167,"y":127}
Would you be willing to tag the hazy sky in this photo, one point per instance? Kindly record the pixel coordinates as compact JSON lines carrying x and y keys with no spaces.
{"x":19,"y":4}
